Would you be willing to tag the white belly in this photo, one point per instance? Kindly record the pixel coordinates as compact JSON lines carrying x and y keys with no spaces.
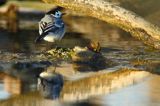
{"x":49,"y":38}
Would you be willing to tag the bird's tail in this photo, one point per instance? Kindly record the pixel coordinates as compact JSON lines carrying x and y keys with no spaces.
{"x":38,"y":39}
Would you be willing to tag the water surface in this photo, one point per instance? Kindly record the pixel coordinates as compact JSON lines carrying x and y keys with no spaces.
{"x":18,"y":85}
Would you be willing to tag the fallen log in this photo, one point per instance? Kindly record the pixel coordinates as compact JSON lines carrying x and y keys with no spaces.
{"x":116,"y":15}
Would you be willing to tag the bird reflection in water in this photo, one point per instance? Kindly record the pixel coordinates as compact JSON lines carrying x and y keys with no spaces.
{"x":53,"y":86}
{"x":84,"y":59}
{"x":50,"y":84}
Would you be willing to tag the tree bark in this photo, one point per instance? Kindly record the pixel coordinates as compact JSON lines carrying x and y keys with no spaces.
{"x":113,"y":14}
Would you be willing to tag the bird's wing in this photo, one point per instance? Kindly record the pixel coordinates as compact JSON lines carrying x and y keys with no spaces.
{"x":44,"y":29}
{"x":63,"y":32}
{"x":43,"y":26}
{"x":40,"y":29}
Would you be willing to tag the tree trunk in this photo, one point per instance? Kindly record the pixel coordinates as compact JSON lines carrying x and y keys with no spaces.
{"x":113,"y":14}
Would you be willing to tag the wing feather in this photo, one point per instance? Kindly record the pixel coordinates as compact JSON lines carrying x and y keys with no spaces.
{"x":56,"y":28}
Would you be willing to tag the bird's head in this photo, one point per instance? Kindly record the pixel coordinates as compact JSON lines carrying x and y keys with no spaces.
{"x":58,"y":14}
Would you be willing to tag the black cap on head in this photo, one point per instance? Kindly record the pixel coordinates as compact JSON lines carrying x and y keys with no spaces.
{"x":53,"y":10}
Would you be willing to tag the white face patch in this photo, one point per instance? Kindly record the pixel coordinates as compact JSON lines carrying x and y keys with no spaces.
{"x":58,"y":14}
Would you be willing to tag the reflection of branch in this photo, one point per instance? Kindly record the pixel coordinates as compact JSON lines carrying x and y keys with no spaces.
{"x":101,"y":84}
{"x":111,"y":13}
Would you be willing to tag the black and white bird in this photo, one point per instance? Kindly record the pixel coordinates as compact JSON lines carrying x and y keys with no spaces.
{"x":51,"y":27}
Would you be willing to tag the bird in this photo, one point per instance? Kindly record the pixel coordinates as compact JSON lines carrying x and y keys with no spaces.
{"x":51,"y":27}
